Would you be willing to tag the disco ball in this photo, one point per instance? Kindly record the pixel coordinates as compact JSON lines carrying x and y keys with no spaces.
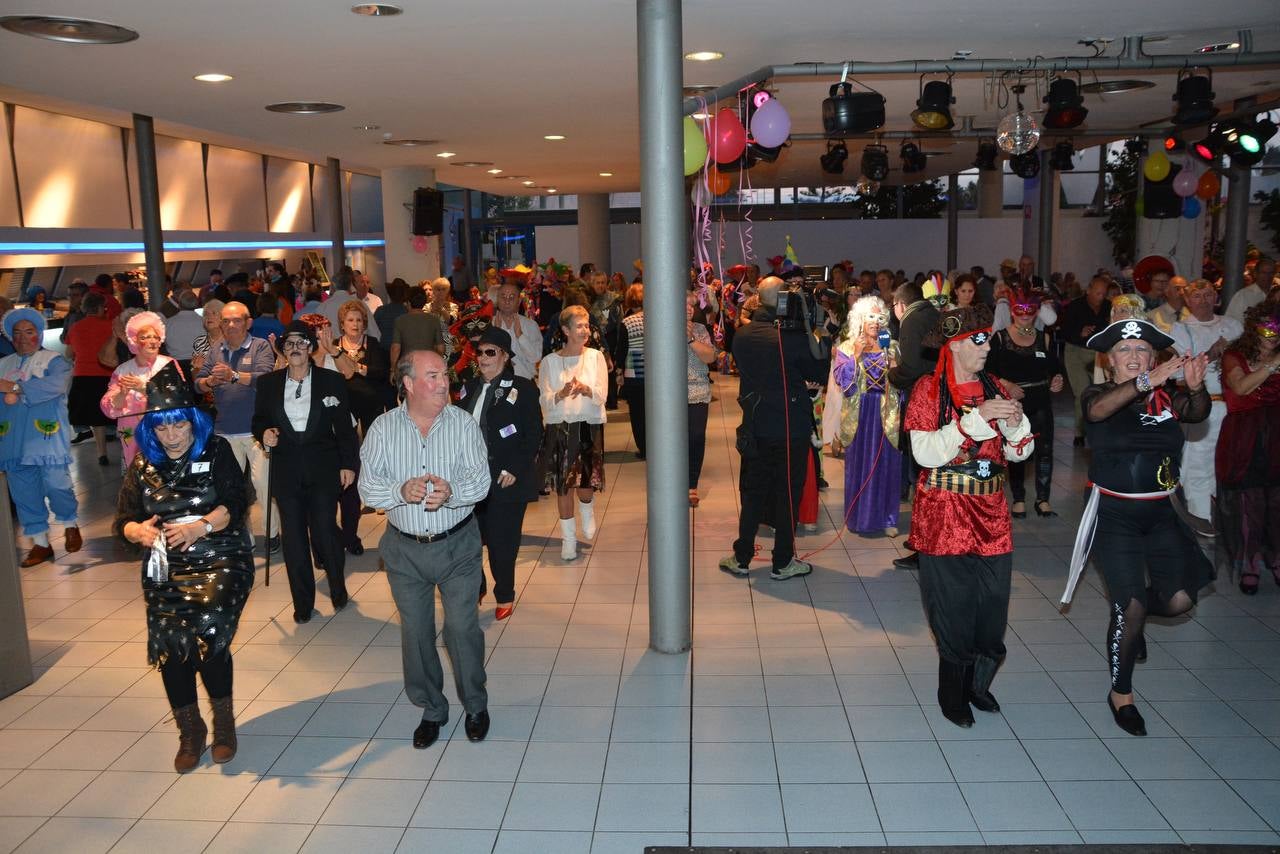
{"x":1017,"y":133}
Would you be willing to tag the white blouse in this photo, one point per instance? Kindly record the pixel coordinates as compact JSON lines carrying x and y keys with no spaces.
{"x":589,"y":369}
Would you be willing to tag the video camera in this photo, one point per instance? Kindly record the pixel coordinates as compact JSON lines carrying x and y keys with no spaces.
{"x":798,"y":311}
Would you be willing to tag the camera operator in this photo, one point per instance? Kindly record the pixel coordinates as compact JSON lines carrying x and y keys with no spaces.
{"x":917,"y":317}
{"x":777,"y":353}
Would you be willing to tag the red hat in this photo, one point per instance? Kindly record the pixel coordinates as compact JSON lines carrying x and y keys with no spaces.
{"x":776,"y":260}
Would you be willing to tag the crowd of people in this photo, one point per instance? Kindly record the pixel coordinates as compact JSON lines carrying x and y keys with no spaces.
{"x":451,"y":406}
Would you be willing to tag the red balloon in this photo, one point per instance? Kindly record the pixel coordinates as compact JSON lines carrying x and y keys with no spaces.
{"x":726,"y":137}
{"x":717,"y":181}
{"x":1208,"y":185}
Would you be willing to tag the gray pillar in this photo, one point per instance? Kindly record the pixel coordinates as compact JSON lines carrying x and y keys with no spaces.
{"x":991,"y":194}
{"x":1048,"y":216}
{"x":1234,"y":243}
{"x":593,"y":230}
{"x":337,"y":229}
{"x":664,"y":247}
{"x":465,"y":243}
{"x":144,"y":140}
{"x":15,"y":648}
{"x":953,"y":220}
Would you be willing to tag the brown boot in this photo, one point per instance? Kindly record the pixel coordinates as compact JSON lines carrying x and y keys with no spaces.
{"x":224,"y":730}
{"x":74,"y":540}
{"x":38,"y":555}
{"x":191,"y":737}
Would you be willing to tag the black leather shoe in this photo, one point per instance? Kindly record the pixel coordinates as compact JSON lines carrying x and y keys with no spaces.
{"x":984,"y":700}
{"x":477,"y":725}
{"x":356,"y":548}
{"x":911,"y":561}
{"x":425,"y":735}
{"x":82,"y":436}
{"x":273,"y":544}
{"x":300,"y":618}
{"x":340,"y":601}
{"x":1127,"y":718}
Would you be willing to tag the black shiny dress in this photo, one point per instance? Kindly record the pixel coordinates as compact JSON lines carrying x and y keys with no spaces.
{"x":194,"y":612}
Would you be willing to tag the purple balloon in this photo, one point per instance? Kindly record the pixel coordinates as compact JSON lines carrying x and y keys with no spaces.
{"x":770,"y":126}
{"x":1191,"y":207}
{"x":1184,"y":184}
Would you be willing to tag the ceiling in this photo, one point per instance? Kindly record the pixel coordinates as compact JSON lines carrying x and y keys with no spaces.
{"x":489,"y":79}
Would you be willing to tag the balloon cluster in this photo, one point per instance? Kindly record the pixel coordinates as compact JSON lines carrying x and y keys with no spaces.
{"x":1192,"y":188}
{"x":724,"y":139}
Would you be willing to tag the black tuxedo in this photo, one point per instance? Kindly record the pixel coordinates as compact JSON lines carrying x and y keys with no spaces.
{"x":305,"y":468}
{"x":511,"y":421}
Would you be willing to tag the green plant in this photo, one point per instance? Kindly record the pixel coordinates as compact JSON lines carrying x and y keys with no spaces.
{"x":1121,"y":217}
{"x":1269,"y":216}
{"x":925,"y":200}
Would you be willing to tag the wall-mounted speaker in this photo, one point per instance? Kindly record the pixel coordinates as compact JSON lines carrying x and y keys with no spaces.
{"x":428,"y":211}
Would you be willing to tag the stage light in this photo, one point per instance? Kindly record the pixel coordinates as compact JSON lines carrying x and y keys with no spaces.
{"x":1209,"y":148}
{"x":847,"y":112}
{"x":913,"y":159}
{"x":1062,"y":159}
{"x":1066,"y":106}
{"x":986,"y":159}
{"x":1173,"y":144}
{"x":833,"y":161}
{"x":875,"y":162}
{"x":1027,"y":164}
{"x":1195,"y":99}
{"x":1244,"y":140}
{"x":933,"y":108}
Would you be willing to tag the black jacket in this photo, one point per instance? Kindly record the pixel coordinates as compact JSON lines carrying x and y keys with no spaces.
{"x":309,"y":460}
{"x":771,"y":410}
{"x":915,"y":360}
{"x":512,"y":428}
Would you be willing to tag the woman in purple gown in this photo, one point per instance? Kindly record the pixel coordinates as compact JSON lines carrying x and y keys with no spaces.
{"x":869,"y":415}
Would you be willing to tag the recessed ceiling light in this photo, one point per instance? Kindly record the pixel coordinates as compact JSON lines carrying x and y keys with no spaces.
{"x":495,"y":171}
{"x":527,"y":183}
{"x":554,"y":137}
{"x":213,"y":78}
{"x":447,"y":154}
{"x":962,"y":54}
{"x":368,"y":127}
{"x":72,"y":30}
{"x":409,"y":143}
{"x":305,"y":108}
{"x":702,"y":117}
{"x":552,"y":190}
{"x":1115,"y":87}
{"x":606,"y":174}
{"x":704,"y":55}
{"x":376,"y":10}
{"x":1218,"y":47}
{"x":471,"y":163}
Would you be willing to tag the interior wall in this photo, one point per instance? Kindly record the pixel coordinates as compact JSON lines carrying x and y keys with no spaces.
{"x":70,"y":171}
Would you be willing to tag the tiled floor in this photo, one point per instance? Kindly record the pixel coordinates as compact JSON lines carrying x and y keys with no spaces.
{"x":804,"y":715}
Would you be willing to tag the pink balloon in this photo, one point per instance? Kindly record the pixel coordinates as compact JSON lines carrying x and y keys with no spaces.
{"x":726,"y":137}
{"x":1184,"y":183}
{"x":770,"y":126}
{"x":419,"y":244}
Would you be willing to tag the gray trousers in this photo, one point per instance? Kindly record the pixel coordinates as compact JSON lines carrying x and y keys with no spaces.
{"x":415,"y":570}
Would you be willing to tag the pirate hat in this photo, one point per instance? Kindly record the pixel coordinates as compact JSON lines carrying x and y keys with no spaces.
{"x":168,"y":389}
{"x":972,"y":320}
{"x":1128,"y":329}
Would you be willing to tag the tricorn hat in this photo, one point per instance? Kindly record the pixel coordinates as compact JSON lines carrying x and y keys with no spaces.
{"x":1129,"y":328}
{"x":168,"y":389}
{"x":972,"y":320}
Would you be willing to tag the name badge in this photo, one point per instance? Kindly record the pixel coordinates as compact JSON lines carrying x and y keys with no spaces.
{"x":462,"y":392}
{"x":505,"y":383}
{"x":199,"y":468}
{"x":509,"y":430}
{"x":1040,"y":355}
{"x":511,"y":395}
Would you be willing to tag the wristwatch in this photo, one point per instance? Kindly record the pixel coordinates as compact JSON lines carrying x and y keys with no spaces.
{"x":208,"y":526}
{"x":235,"y":377}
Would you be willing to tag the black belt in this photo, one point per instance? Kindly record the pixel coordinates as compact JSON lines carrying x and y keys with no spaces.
{"x":431,"y":538}
{"x":976,"y":477}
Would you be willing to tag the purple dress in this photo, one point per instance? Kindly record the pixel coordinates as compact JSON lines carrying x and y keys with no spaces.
{"x":871,"y":457}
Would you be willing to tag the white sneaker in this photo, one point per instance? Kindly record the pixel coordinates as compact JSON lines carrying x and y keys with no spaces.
{"x":568,"y":540}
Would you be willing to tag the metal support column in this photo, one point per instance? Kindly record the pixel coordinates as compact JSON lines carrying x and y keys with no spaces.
{"x":665,"y":250}
{"x":465,"y":244}
{"x":953,"y":221}
{"x":337,"y":228}
{"x":15,"y":648}
{"x":1048,"y":214}
{"x":1234,"y":243}
{"x":144,"y":141}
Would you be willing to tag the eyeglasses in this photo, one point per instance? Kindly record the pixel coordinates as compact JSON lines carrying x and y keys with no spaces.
{"x":489,"y":351}
{"x":296,"y":344}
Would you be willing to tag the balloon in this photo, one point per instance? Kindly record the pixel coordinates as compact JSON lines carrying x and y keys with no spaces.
{"x":1140,"y":206}
{"x":419,"y":244}
{"x":770,"y":126}
{"x":1184,"y":183}
{"x":718,"y":182}
{"x":695,"y":146}
{"x":1157,"y":166}
{"x":1209,"y":185}
{"x":1191,"y":207}
{"x":726,"y":137}
{"x":700,"y":196}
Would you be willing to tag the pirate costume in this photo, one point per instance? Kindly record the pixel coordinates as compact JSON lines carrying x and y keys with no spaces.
{"x":960,"y":522}
{"x":193,"y":595}
{"x":1136,"y":435}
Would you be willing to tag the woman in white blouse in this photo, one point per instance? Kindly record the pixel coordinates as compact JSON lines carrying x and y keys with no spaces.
{"x":572,"y":386}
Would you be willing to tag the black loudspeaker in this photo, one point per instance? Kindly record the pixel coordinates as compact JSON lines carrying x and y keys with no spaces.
{"x":1159,"y":201}
{"x":428,"y":211}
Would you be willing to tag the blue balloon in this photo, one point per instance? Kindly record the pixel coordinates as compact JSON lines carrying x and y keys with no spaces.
{"x":1191,"y":207}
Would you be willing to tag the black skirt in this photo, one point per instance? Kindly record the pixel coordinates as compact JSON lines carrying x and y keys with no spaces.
{"x":84,"y":401}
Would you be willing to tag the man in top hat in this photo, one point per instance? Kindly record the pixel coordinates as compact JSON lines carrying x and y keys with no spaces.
{"x":35,"y":434}
{"x":962,"y":431}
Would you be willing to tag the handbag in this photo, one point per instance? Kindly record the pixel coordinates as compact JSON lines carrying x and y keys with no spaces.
{"x":108,"y":355}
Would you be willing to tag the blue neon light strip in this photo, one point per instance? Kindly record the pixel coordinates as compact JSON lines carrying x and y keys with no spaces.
{"x":180,"y":246}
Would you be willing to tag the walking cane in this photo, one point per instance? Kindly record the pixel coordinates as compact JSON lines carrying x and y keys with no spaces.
{"x":267,"y":514}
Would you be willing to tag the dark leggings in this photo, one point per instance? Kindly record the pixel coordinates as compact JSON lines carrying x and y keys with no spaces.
{"x":697,"y":440}
{"x":180,"y":679}
{"x":1041,"y":418}
{"x":1135,"y":539}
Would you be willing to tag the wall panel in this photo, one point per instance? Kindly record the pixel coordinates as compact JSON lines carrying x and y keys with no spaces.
{"x":180,"y":171}
{"x":72,"y":171}
{"x":288,"y":195}
{"x":8,"y":190}
{"x":237,"y":195}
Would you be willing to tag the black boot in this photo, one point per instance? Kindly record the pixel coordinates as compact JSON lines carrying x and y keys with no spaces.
{"x":977,"y":681}
{"x":951,"y":691}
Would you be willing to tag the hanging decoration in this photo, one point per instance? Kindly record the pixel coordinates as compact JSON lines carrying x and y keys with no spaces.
{"x":1157,"y":166}
{"x":726,"y":137}
{"x":695,"y":147}
{"x":1208,"y":186}
{"x":1191,"y":207}
{"x":718,"y":182}
{"x":419,"y":244}
{"x":1186,"y":181}
{"x":771,"y":125}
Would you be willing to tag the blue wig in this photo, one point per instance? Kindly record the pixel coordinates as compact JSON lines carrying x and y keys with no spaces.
{"x":153,"y":451}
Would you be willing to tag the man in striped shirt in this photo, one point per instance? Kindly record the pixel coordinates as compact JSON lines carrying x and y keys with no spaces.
{"x":425,"y":463}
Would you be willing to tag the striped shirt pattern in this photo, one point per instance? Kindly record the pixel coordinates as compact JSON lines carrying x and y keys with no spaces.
{"x":395,"y":451}
{"x":633,"y":326}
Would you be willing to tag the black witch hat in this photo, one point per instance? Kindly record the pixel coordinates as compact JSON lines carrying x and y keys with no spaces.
{"x":168,"y":389}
